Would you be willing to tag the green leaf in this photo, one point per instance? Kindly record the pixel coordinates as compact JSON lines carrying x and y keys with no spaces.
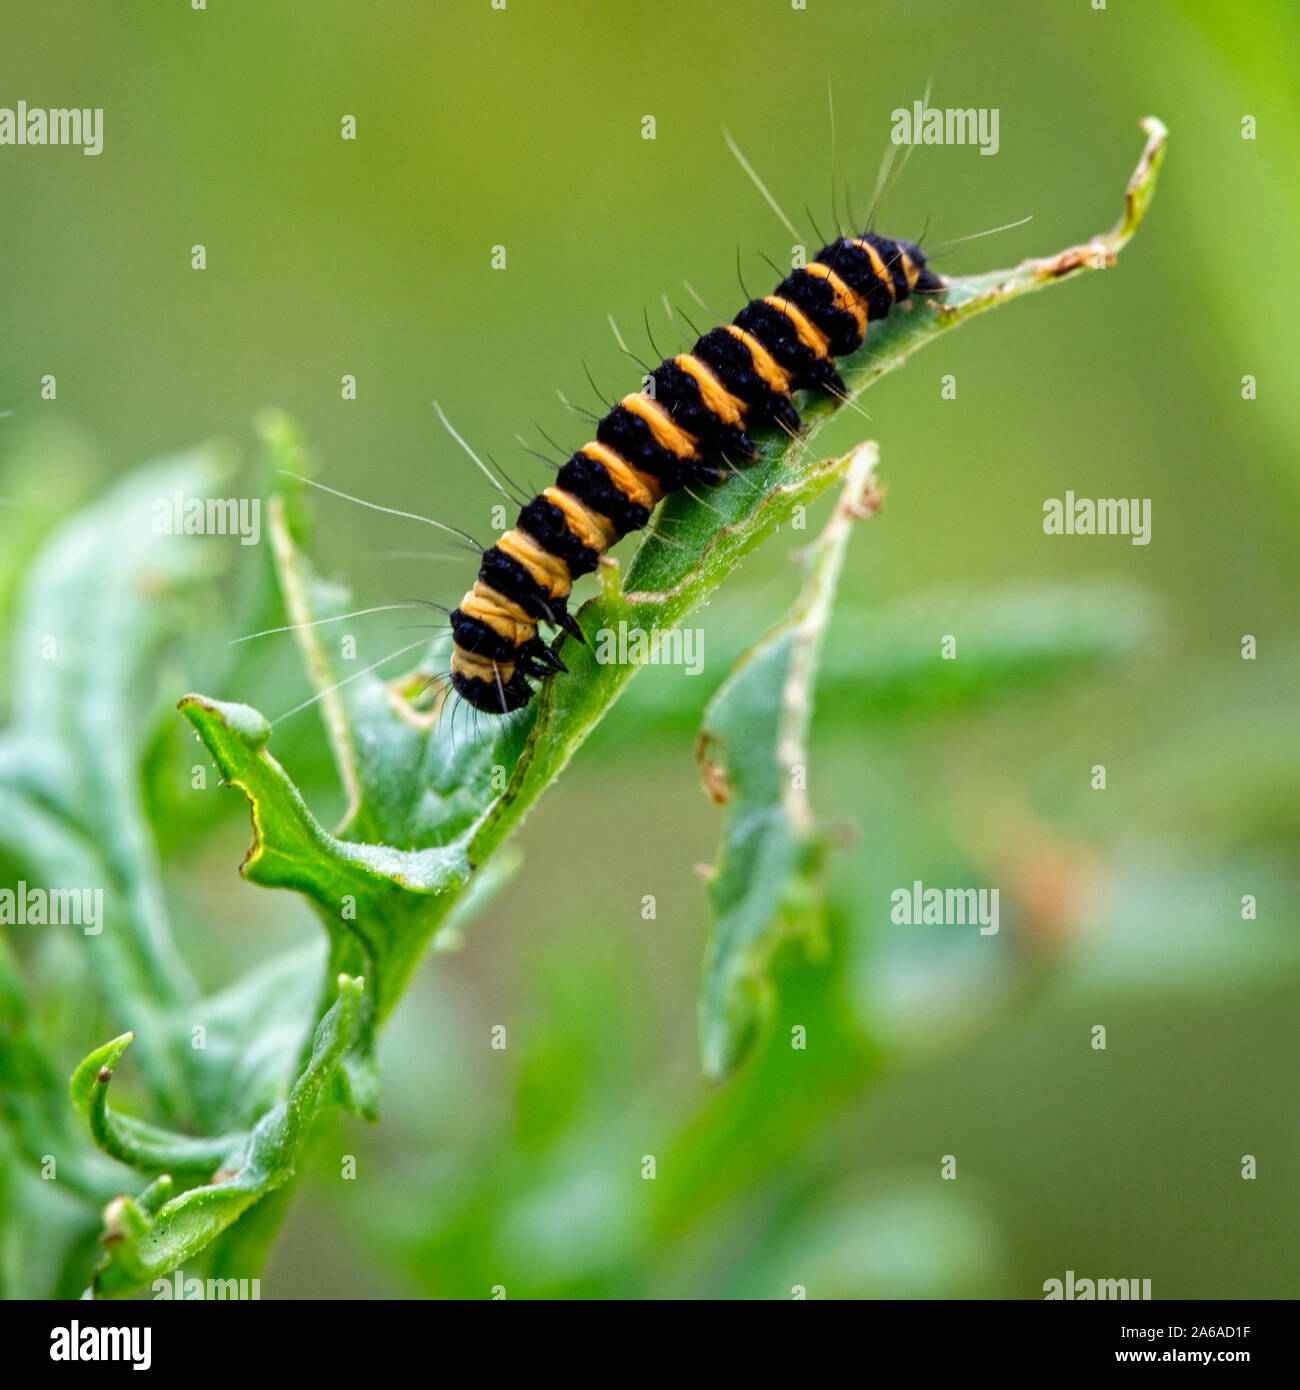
{"x":100,"y":606}
{"x":768,"y":884}
{"x":133,"y":1142}
{"x":380,"y":905}
{"x":257,"y":1032}
{"x":150,"y":1236}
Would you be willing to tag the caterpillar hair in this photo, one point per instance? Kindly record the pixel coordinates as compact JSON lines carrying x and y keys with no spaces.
{"x":685,"y":430}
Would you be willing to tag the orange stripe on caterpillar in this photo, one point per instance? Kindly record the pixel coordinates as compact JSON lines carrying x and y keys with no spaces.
{"x":844,"y":297}
{"x":717,"y":399}
{"x":668,"y":434}
{"x":472,"y":666}
{"x":635,"y":485}
{"x":809,"y":334}
{"x":548,"y":571}
{"x":774,"y":376}
{"x":596,"y":532}
{"x":502,"y":615}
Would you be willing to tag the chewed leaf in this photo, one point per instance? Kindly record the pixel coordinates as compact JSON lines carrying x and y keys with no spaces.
{"x":767,"y":886}
{"x":151,"y":1236}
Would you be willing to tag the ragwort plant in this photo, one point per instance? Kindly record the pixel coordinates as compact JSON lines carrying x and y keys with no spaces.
{"x":424,"y":839}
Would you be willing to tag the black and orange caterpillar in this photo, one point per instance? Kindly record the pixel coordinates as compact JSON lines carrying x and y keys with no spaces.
{"x":674,"y":434}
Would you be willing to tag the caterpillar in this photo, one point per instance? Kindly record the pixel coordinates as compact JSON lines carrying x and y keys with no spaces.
{"x":683,"y":430}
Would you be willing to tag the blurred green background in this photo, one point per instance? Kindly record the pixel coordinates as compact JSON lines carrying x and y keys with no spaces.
{"x":373,"y":257}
